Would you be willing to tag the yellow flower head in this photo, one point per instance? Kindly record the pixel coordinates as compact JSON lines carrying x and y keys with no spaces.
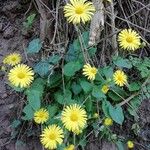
{"x":21,"y":76}
{"x":70,"y":147}
{"x":12,"y":59}
{"x":74,"y":118}
{"x":96,"y":115}
{"x":52,"y":136}
{"x":41,"y":116}
{"x":79,"y":11}
{"x":89,"y":72}
{"x":130,"y":144}
{"x":129,"y":39}
{"x":120,"y":78}
{"x":105,"y":89}
{"x":108,"y":122}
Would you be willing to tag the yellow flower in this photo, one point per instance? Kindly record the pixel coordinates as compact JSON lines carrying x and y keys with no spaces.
{"x":74,"y":118}
{"x":52,"y":136}
{"x":105,"y":89}
{"x":12,"y":59}
{"x":96,"y":115}
{"x":129,"y":39}
{"x":89,"y":71}
{"x":21,"y":76}
{"x":130,"y":144}
{"x":70,"y":147}
{"x":108,"y":122}
{"x":41,"y":116}
{"x":79,"y":11}
{"x":120,"y":78}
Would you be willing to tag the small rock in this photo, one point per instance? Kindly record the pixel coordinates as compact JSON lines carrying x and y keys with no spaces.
{"x":9,"y":32}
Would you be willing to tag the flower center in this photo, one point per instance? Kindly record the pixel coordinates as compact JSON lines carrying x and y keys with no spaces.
{"x":52,"y":136}
{"x":79,"y":10}
{"x":93,"y":70}
{"x":13,"y":59}
{"x":129,"y":39}
{"x":120,"y":78}
{"x":74,"y":117}
{"x":21,"y":75}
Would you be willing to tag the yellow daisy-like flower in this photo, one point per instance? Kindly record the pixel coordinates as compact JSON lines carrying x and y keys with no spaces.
{"x":79,"y":11}
{"x":120,"y":78}
{"x":108,"y":122}
{"x":74,"y":118}
{"x":105,"y":89}
{"x":70,"y":147}
{"x":21,"y":76}
{"x":129,"y":39}
{"x":12,"y":59}
{"x":41,"y":116}
{"x":52,"y":136}
{"x":130,"y":144}
{"x":89,"y":72}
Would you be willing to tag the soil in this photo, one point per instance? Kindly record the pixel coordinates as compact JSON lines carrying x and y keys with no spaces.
{"x":13,"y":39}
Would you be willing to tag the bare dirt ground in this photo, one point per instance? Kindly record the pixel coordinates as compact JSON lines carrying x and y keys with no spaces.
{"x":11,"y":103}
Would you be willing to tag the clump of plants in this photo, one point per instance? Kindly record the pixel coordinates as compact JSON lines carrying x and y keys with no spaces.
{"x":80,"y":98}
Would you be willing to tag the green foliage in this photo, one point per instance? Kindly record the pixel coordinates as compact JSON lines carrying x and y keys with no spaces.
{"x":121,"y":62}
{"x":34,"y":96}
{"x":116,"y":114}
{"x":28,"y":110}
{"x":63,"y":98}
{"x":97,"y":93}
{"x":86,"y":86}
{"x":34,"y":46}
{"x":71,"y":68}
{"x":75,"y":49}
{"x":142,"y":65}
{"x":29,"y":21}
{"x":43,"y":68}
{"x":134,"y":86}
{"x":54,"y":59}
{"x":56,"y":87}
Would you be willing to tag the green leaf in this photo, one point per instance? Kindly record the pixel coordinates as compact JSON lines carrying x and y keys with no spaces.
{"x":97,"y":93}
{"x":74,"y":53}
{"x":117,"y":90}
{"x":54,"y":59}
{"x":107,"y":72}
{"x":54,"y":80}
{"x":34,"y":99}
{"x":86,"y":86}
{"x":34,"y":46}
{"x":76,"y":88}
{"x":123,"y":63}
{"x":64,"y":98}
{"x":89,"y":104}
{"x":116,"y":114}
{"x":29,"y":21}
{"x":17,"y":89}
{"x":42,"y":68}
{"x":105,"y":107}
{"x":52,"y":109}
{"x":35,"y":92}
{"x":134,"y":105}
{"x":28,"y":112}
{"x":15,"y":123}
{"x":120,"y":145}
{"x":134,"y":86}
{"x":71,"y":68}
